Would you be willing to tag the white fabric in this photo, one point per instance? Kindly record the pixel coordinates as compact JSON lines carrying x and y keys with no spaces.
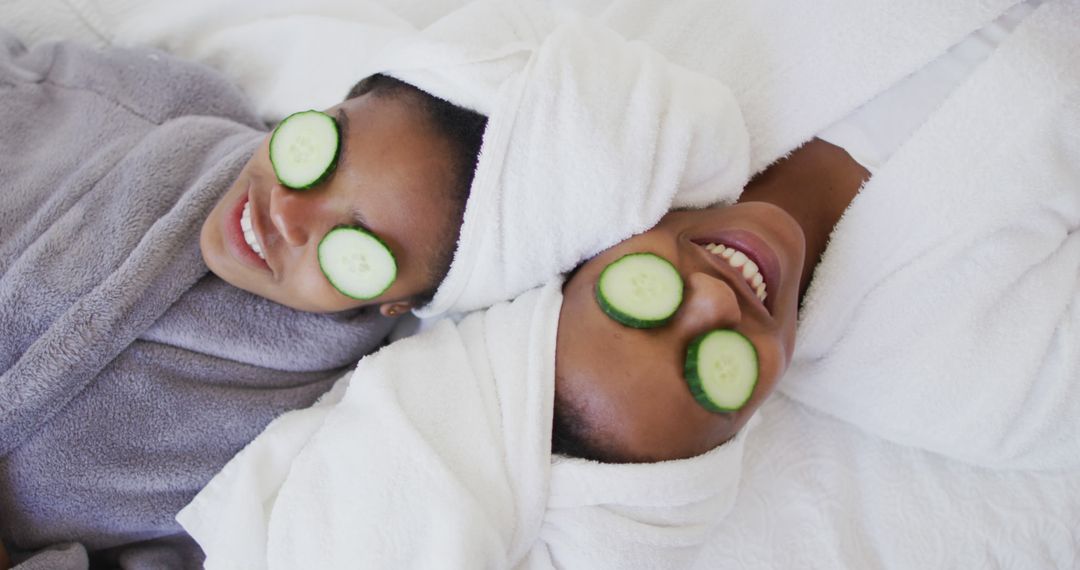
{"x":590,"y":140}
{"x":34,"y":21}
{"x":945,"y":313}
{"x":797,"y":67}
{"x":872,"y":133}
{"x":818,"y":493}
{"x":437,"y":455}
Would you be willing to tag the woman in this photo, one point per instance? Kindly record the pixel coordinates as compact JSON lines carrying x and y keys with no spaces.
{"x":621,"y":393}
{"x":130,"y":372}
{"x":940,"y":313}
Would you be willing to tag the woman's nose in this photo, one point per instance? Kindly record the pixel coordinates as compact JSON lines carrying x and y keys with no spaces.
{"x":708,"y":303}
{"x":296,"y":213}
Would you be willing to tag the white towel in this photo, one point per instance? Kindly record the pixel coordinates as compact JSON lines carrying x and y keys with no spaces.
{"x":946,"y":311}
{"x":438,"y":456}
{"x":591,"y":139}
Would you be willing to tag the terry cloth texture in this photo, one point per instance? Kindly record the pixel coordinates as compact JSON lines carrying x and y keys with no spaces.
{"x":590,"y":140}
{"x":437,"y":454}
{"x":945,"y":313}
{"x":128,"y":374}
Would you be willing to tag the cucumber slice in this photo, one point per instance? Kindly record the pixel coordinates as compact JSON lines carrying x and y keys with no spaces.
{"x":640,"y":290}
{"x":356,"y":262}
{"x":304,"y":149}
{"x":722,"y":370}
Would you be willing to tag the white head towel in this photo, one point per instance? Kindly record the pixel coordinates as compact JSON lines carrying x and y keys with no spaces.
{"x":438,"y":456}
{"x":590,"y":140}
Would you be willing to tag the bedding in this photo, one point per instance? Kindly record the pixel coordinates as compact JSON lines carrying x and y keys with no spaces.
{"x":817,"y":492}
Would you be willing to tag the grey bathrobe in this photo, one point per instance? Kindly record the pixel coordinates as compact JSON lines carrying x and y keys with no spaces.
{"x":129,"y":375}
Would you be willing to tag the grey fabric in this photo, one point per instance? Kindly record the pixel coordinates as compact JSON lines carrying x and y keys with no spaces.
{"x":129,"y":375}
{"x":67,"y":556}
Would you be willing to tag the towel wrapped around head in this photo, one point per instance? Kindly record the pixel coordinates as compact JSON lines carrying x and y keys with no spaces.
{"x":590,"y":140}
{"x":437,"y":455}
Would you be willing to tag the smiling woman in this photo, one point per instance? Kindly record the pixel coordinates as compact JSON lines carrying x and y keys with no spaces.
{"x":126,"y":180}
{"x":623,"y":393}
{"x":403,"y":174}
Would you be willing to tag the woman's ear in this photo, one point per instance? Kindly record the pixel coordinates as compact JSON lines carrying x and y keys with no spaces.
{"x":395,"y":309}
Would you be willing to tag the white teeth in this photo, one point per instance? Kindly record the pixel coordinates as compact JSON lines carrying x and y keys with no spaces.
{"x":749,"y":270}
{"x":739,"y":260}
{"x":249,"y":233}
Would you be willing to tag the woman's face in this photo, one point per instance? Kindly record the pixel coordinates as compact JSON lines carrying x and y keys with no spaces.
{"x":393,"y":178}
{"x":628,"y":384}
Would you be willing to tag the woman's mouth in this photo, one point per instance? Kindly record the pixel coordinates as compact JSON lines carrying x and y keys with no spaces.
{"x":241,"y":237}
{"x":750,"y":256}
{"x":249,"y":232}
{"x":742,"y":262}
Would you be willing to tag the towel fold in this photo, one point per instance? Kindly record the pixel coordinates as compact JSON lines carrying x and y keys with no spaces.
{"x":945,"y":313}
{"x":436,"y":453}
{"x":590,"y":140}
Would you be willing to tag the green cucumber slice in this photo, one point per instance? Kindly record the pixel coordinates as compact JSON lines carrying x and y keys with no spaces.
{"x":640,"y":290}
{"x":304,"y":149}
{"x":722,"y":370}
{"x":356,"y":262}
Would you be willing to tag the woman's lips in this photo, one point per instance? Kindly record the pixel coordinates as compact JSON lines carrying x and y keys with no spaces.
{"x":234,"y":236}
{"x":755,"y":248}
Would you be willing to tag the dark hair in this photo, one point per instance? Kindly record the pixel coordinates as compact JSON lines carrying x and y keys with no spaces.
{"x":573,"y":436}
{"x":463,"y":130}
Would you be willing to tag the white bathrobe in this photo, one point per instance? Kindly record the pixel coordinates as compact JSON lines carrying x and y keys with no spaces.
{"x":946,"y":311}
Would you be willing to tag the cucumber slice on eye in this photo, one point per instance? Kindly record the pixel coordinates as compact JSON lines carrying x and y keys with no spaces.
{"x":640,"y":290}
{"x":722,"y":370}
{"x":304,"y":149}
{"x":356,"y":262}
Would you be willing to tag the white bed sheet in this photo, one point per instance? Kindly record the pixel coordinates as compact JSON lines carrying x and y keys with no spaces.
{"x":817,"y":493}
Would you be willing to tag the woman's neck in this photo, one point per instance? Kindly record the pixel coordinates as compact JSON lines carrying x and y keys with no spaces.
{"x":814,"y":184}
